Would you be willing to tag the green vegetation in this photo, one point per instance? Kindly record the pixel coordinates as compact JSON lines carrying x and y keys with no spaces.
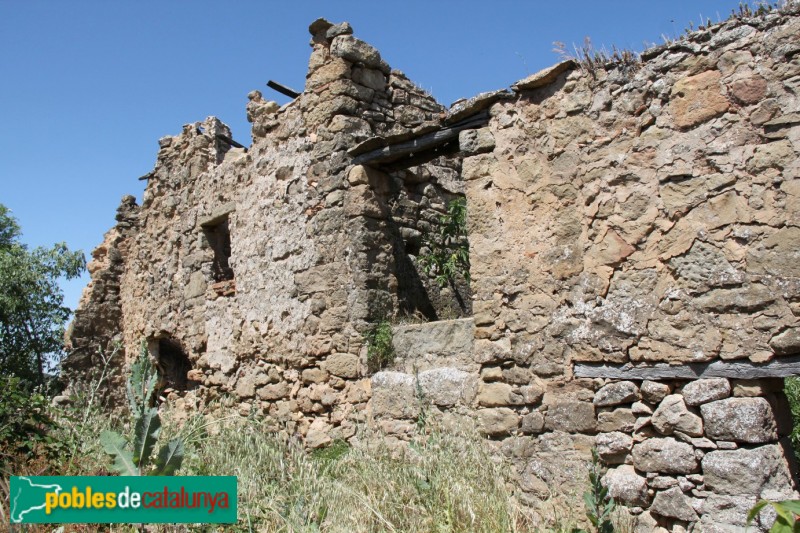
{"x":133,"y":458}
{"x":599,"y":505}
{"x":787,"y":511}
{"x":441,"y":482}
{"x":380,"y":351}
{"x":448,"y":257}
{"x":32,"y":313}
{"x":25,"y":423}
{"x":792,"y":391}
{"x":786,"y":520}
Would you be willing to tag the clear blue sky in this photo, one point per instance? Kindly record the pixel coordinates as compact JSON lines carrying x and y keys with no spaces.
{"x":89,"y":86}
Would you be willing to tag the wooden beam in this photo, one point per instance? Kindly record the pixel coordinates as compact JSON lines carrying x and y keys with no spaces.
{"x":283,"y":89}
{"x":230,"y":141}
{"x":413,"y":147}
{"x":780,"y":367}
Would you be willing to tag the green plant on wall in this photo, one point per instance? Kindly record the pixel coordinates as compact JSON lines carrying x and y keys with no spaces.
{"x":786,"y":515}
{"x":380,"y":351}
{"x":448,"y":256}
{"x":792,"y":391}
{"x":599,"y":505}
{"x":134,"y":458}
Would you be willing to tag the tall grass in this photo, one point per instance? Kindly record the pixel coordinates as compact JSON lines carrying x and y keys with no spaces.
{"x":444,"y":481}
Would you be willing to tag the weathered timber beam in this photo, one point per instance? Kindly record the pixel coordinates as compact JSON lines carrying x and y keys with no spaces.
{"x":147,"y":176}
{"x":228,"y":140}
{"x":429,"y":141}
{"x":779,"y":367}
{"x":283,"y":89}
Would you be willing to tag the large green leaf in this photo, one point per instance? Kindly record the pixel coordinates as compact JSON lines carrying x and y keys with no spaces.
{"x":169,"y":459}
{"x":791,"y":505}
{"x":146,"y":431}
{"x":115,"y":445}
{"x":782,"y":525}
{"x":783,"y":512}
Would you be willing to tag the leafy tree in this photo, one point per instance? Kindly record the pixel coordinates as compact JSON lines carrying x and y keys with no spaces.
{"x":32,"y":311}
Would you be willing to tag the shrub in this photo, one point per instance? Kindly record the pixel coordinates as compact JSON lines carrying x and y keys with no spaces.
{"x":25,"y":422}
{"x":599,"y":505}
{"x":380,"y":351}
{"x":448,"y":257}
{"x":792,"y":391}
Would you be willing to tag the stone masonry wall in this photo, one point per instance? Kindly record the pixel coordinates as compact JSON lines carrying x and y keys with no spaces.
{"x":637,"y":213}
{"x":645,"y":214}
{"x":319,"y":249}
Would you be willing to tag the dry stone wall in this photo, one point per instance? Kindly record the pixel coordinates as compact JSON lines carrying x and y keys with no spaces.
{"x":644,"y":214}
{"x":252,"y":273}
{"x":629,"y":214}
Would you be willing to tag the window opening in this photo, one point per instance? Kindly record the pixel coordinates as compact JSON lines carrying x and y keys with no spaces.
{"x":219,"y":238}
{"x":172,"y":365}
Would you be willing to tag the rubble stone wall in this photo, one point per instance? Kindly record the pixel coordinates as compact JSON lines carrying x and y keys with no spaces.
{"x":634,"y":213}
{"x":320,"y":249}
{"x":643,"y":214}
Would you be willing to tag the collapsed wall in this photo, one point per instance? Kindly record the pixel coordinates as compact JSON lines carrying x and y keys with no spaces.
{"x":633,"y":235}
{"x":254,"y":272}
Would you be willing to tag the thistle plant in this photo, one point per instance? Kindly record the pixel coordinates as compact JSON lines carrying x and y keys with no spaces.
{"x":133,"y":458}
{"x":599,"y":505}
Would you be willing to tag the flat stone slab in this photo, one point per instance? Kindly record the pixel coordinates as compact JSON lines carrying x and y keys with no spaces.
{"x":445,"y":338}
{"x":544,"y":77}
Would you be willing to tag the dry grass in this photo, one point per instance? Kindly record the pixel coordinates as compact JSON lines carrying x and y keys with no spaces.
{"x":446,"y":481}
{"x":443,"y":482}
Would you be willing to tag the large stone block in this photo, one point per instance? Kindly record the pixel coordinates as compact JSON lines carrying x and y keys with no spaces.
{"x":498,"y":395}
{"x":696,"y":99}
{"x":477,"y":141}
{"x":447,"y":387}
{"x":344,"y":365}
{"x":572,"y":417}
{"x":356,"y":51}
{"x":617,"y":393}
{"x":747,"y":472}
{"x":626,"y":486}
{"x":654,"y":392}
{"x":394,"y":395}
{"x":613,"y":447}
{"x":672,"y":415}
{"x":722,"y":511}
{"x":748,"y":420}
{"x":497,"y":422}
{"x":667,"y":456}
{"x":673,"y":504}
{"x":706,"y":390}
{"x":621,"y":419}
{"x":446,"y":338}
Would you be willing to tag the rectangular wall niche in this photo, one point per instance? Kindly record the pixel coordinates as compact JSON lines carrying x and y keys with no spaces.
{"x":219,"y":238}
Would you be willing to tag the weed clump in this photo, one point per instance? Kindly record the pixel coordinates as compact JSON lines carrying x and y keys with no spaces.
{"x":380,"y":350}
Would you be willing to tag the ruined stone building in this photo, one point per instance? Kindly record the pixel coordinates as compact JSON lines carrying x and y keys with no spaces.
{"x":635,"y":277}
